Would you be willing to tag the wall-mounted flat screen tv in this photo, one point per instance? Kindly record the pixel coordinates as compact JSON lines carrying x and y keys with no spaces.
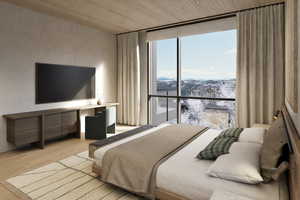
{"x":57,"y":83}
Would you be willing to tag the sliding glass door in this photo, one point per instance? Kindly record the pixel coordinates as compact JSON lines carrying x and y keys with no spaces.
{"x":192,"y":80}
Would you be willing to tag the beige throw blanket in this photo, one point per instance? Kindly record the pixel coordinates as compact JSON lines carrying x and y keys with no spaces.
{"x":132,"y":165}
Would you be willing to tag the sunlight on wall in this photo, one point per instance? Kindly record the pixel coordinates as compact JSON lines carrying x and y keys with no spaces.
{"x":100,"y":80}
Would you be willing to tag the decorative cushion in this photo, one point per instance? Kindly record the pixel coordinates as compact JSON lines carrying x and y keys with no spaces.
{"x":217,"y":147}
{"x":275,"y":139}
{"x":220,"y":145}
{"x":239,"y":165}
{"x":231,"y":132}
{"x":253,"y":135}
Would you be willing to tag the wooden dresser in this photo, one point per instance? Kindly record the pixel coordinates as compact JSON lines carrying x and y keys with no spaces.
{"x":39,"y":126}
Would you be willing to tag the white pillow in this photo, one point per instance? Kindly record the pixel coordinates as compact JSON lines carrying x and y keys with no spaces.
{"x":252,"y":149}
{"x":252,"y":135}
{"x":240,"y":166}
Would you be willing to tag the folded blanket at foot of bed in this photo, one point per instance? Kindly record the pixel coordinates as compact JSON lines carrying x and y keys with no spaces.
{"x":101,"y":143}
{"x":132,"y":165}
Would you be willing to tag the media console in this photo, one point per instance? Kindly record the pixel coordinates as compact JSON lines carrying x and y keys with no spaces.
{"x":43,"y":125}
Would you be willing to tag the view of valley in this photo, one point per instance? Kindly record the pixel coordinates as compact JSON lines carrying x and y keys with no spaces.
{"x":212,"y":113}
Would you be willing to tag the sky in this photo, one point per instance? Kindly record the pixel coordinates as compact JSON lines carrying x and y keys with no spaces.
{"x":209,"y":56}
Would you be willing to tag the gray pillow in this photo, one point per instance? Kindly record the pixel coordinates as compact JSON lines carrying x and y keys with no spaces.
{"x":274,"y":140}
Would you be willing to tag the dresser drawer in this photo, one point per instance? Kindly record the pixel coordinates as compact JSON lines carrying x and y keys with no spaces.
{"x":69,"y":129}
{"x":69,"y":118}
{"x":53,"y":120}
{"x":27,"y":124}
{"x":27,"y":130}
{"x":53,"y":132}
{"x":52,"y":126}
{"x":69,"y":122}
{"x":27,"y":136}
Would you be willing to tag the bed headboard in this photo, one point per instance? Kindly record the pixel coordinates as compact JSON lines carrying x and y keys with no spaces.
{"x":294,"y":144}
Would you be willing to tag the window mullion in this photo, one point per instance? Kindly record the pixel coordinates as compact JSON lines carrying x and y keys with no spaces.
{"x":148,"y":83}
{"x":178,"y":79}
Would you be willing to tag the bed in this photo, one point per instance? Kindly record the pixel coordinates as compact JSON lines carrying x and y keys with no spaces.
{"x":181,"y":176}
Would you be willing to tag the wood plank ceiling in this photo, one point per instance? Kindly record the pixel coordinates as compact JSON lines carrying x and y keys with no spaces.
{"x":119,"y":16}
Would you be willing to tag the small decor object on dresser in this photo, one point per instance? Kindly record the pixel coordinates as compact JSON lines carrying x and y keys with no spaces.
{"x":224,"y":195}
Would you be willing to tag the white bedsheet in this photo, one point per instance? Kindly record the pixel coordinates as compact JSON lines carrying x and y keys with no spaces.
{"x":185,"y":175}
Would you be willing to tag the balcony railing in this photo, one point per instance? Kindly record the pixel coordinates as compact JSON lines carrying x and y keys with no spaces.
{"x":208,"y":111}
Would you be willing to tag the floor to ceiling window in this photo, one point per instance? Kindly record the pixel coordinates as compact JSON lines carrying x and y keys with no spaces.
{"x":193,"y":80}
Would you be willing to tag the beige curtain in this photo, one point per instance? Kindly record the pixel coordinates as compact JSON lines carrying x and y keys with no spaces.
{"x":128,"y":79}
{"x":260,"y":69}
{"x":143,"y":73}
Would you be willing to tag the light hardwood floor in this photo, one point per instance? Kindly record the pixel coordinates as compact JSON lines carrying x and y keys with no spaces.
{"x":19,"y":161}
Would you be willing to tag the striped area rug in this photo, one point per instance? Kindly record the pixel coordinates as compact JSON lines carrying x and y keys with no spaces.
{"x":68,"y":179}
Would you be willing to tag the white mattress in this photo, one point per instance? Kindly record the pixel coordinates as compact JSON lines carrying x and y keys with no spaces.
{"x":185,"y":175}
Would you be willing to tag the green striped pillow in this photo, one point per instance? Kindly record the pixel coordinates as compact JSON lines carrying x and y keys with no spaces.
{"x":231,"y":132}
{"x":220,"y":145}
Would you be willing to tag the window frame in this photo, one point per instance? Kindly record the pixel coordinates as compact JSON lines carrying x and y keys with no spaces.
{"x":178,"y":97}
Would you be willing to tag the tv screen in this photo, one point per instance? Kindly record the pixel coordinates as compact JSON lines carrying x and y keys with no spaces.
{"x":56,"y":83}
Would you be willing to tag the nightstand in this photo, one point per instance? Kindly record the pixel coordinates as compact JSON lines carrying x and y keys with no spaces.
{"x":266,"y":126}
{"x":224,"y":195}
